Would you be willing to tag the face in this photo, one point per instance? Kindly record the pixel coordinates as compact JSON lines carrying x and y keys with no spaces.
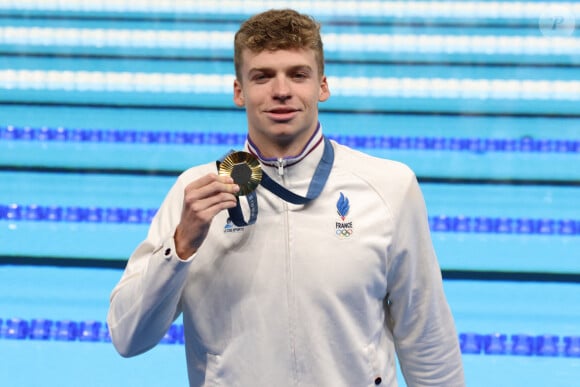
{"x":280,"y":91}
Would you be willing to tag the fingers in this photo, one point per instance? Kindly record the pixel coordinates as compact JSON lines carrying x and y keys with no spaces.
{"x":203,"y":199}
{"x":213,"y":183}
{"x":211,"y":192}
{"x":204,"y":209}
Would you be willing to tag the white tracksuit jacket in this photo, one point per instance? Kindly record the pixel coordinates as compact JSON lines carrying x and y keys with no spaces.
{"x":314,"y":295}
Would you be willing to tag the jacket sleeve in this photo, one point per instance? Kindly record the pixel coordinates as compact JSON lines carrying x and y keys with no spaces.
{"x":146,"y":300}
{"x":419,"y":316}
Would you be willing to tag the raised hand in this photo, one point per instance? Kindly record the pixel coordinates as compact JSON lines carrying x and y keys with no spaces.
{"x":203,"y":199}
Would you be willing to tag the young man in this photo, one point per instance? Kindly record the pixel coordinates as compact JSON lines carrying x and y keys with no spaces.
{"x":320,"y":291}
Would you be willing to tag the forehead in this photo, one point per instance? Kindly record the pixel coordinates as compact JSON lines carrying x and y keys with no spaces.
{"x":278,"y":59}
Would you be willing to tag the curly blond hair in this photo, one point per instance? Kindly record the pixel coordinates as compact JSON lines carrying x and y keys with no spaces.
{"x":278,"y":30}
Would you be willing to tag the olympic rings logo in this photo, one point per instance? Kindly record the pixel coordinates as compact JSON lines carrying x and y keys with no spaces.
{"x":344,"y":232}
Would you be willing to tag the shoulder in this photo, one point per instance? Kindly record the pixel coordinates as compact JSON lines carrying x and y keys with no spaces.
{"x":377,"y":171}
{"x":394,"y":182}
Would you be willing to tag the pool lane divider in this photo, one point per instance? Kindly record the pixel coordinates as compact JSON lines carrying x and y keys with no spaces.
{"x":519,"y":344}
{"x":525,"y":144}
{"x":15,"y":212}
{"x":67,"y":330}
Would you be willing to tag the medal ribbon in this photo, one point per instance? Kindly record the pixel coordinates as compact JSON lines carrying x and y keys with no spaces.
{"x":316,"y":185}
{"x":314,"y":189}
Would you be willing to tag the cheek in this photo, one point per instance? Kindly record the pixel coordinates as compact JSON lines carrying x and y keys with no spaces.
{"x":253,"y":97}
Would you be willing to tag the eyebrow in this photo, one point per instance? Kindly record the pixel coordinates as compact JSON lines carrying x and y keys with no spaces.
{"x":290,"y":69}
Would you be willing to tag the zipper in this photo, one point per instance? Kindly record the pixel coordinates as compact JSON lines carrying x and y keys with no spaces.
{"x":280,"y":163}
{"x":290,"y":295}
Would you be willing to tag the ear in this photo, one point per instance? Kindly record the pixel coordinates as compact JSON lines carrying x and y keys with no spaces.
{"x":324,"y":92}
{"x":238,"y":94}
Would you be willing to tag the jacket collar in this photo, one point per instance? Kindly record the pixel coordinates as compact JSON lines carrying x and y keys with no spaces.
{"x":313,"y":147}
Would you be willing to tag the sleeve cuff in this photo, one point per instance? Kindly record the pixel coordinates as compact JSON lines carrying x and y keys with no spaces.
{"x":168,"y":251}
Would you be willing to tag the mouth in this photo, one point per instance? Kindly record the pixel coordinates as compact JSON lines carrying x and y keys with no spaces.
{"x":282,"y":113}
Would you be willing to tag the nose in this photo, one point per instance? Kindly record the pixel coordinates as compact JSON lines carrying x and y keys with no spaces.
{"x":281,"y":89}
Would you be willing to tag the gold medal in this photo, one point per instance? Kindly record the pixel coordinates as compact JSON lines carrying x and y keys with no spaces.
{"x":244,"y":168}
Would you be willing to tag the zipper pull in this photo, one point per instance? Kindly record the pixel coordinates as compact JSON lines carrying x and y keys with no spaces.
{"x":281,"y":163}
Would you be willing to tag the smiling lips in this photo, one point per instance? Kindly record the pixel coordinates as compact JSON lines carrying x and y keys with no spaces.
{"x":284,"y":113}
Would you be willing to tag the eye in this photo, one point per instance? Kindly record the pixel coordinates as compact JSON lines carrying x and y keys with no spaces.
{"x":259,"y":77}
{"x":300,"y":76}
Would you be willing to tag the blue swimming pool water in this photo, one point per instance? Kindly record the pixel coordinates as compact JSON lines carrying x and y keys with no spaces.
{"x":81,"y":295}
{"x":506,"y":154}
